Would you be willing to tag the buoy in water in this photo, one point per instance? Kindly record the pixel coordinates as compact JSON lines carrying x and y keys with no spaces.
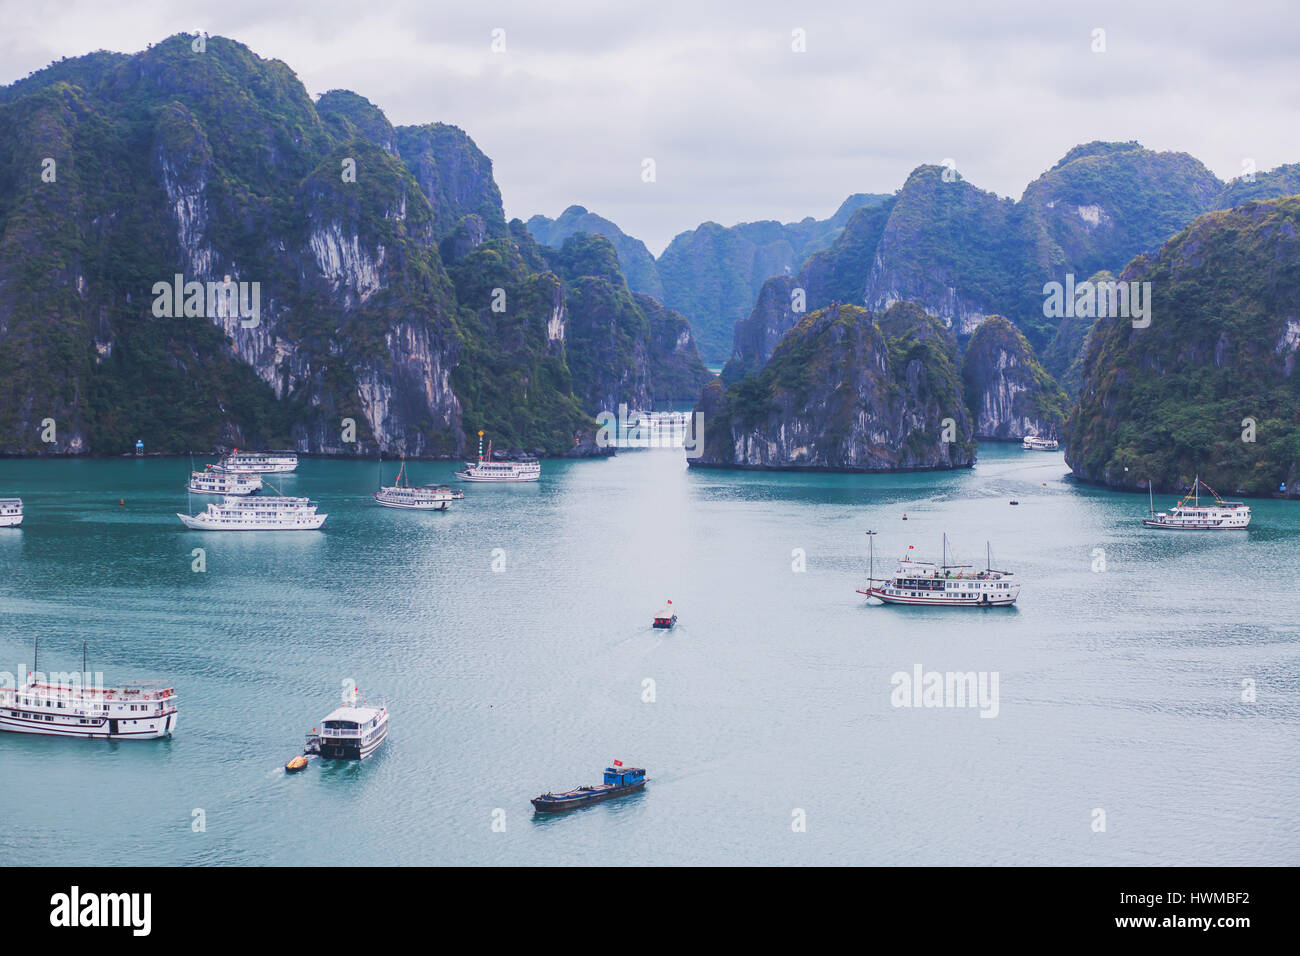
{"x":121,"y":501}
{"x":296,"y":764}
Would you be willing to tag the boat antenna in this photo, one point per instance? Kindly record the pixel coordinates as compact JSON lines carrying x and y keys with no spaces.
{"x":36,"y":653}
{"x":988,"y":556}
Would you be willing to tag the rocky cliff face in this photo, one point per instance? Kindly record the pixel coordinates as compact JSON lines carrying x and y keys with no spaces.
{"x":335,"y":231}
{"x":1210,"y":385}
{"x":947,"y":247}
{"x":622,"y":348}
{"x":837,"y":395}
{"x":1008,"y":392}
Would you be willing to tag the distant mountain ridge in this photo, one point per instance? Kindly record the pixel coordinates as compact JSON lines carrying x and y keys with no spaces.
{"x":711,"y":274}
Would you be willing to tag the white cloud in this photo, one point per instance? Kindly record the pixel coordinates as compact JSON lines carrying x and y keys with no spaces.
{"x":740,"y":126}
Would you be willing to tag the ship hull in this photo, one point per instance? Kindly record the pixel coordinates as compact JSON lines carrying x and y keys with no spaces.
{"x":559,"y":805}
{"x":466,"y":476}
{"x":1165,"y":526}
{"x":981,"y":601}
{"x":408,"y":506}
{"x":107,"y":728}
{"x":200,"y":523}
{"x":10,"y":521}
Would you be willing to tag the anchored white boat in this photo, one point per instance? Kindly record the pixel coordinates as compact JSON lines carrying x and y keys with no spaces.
{"x":11,"y":512}
{"x":943,"y":585}
{"x":351,"y":732}
{"x":1191,"y":514}
{"x":258,"y":513}
{"x":401,"y":495}
{"x":212,"y":482}
{"x":258,"y":463}
{"x":1034,"y":443}
{"x":69,"y":707}
{"x":485,"y":469}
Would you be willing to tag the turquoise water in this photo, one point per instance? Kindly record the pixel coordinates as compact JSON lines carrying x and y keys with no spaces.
{"x":1118,"y":690}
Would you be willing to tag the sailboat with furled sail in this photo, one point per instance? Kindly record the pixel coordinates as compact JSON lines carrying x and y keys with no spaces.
{"x":941,"y":585}
{"x":72,"y":705}
{"x":1191,"y":514}
{"x":402,"y":495}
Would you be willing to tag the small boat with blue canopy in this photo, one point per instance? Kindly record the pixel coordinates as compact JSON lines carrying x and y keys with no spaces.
{"x":619,"y":782}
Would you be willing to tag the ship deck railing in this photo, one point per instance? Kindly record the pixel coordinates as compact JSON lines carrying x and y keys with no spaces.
{"x":134,"y":692}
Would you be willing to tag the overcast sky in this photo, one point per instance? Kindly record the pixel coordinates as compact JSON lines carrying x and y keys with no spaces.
{"x":739,"y":124}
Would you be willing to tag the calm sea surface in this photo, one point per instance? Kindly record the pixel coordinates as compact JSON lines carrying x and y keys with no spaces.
{"x":1119,"y":690}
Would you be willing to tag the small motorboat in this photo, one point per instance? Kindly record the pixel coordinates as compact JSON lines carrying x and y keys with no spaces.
{"x":297,"y":764}
{"x":619,"y":782}
{"x":666,"y":618}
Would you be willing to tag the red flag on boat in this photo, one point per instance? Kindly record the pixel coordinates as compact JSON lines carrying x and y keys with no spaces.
{"x":618,"y":763}
{"x":670,"y":602}
{"x":910,"y":547}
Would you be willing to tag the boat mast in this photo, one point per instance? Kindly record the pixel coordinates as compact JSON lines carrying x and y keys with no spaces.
{"x":871,"y":558}
{"x":1151,"y":505}
{"x":988,"y":556}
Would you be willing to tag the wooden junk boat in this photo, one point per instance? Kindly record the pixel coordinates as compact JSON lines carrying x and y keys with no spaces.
{"x":619,"y":782}
{"x":666,"y":618}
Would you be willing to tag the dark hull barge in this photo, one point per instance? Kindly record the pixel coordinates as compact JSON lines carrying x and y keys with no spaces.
{"x":619,"y":782}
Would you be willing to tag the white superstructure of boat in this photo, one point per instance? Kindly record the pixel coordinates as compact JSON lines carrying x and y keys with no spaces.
{"x":943,"y":585}
{"x":11,"y":512}
{"x":211,"y":482}
{"x":256,"y":513}
{"x":258,"y":463}
{"x":1035,"y":443}
{"x":1191,"y":514}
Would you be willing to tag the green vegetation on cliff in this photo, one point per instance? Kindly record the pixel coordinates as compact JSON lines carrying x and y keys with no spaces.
{"x":1215,"y":366}
{"x":392,"y":291}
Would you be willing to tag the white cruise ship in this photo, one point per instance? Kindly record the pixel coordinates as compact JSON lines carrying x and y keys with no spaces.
{"x":258,"y":513}
{"x":11,"y":512}
{"x":1191,"y":514}
{"x":485,"y":469}
{"x":414,"y":499}
{"x":944,"y":585}
{"x":401,"y":495}
{"x":212,"y":482}
{"x":351,"y":732}
{"x":258,"y":463}
{"x":142,"y":710}
{"x":1034,"y":443}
